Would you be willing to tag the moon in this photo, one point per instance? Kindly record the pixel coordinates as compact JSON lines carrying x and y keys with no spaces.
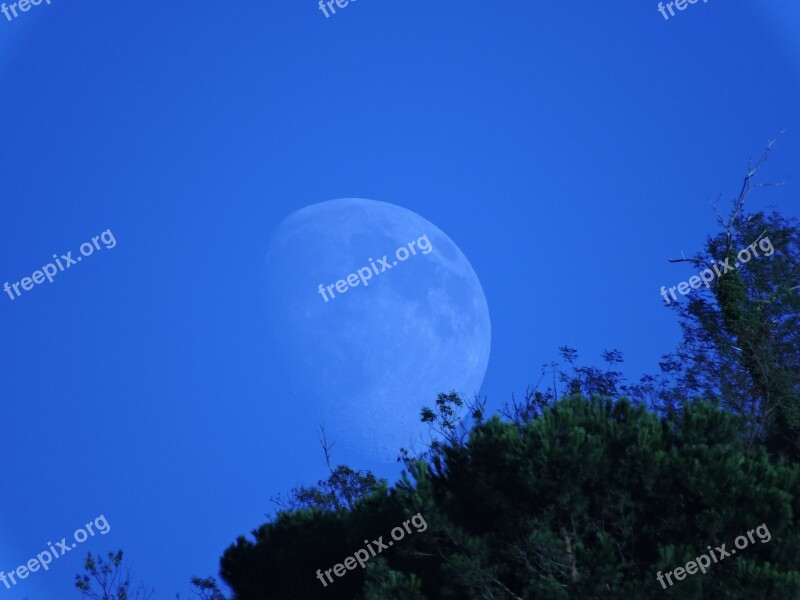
{"x":374,"y":312}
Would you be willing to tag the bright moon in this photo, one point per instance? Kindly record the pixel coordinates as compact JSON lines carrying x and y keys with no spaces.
{"x":376,"y":311}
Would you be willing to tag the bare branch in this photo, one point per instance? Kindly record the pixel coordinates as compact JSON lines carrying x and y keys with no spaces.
{"x":728,"y":224}
{"x":695,"y":261}
{"x":326,"y":446}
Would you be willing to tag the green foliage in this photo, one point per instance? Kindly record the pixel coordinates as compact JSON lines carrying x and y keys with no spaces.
{"x":589,"y":499}
{"x":206,"y":589}
{"x":383,"y":583}
{"x":588,"y":494}
{"x":741,"y":338}
{"x":341,"y":490}
{"x":741,"y":343}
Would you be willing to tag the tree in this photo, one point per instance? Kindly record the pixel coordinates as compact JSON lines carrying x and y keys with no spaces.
{"x":341,"y":490}
{"x":206,"y":589}
{"x":592,"y":498}
{"x":589,"y":498}
{"x":315,"y":527}
{"x":741,"y":335}
{"x":105,"y":579}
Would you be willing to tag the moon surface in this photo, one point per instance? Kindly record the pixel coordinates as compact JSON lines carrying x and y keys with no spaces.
{"x":411,"y":323}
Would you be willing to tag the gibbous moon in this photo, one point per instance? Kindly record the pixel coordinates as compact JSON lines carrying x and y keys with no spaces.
{"x":374,"y":311}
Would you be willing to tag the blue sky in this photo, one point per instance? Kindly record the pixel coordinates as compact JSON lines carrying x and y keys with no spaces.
{"x":568,"y":148}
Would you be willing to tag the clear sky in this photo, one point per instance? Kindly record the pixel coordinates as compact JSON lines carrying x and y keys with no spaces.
{"x":569,"y":148}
